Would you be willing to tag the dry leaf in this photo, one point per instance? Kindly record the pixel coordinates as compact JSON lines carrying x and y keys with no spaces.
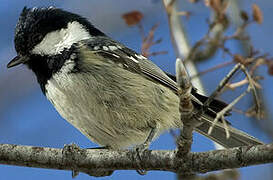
{"x":257,"y":14}
{"x":132,"y":18}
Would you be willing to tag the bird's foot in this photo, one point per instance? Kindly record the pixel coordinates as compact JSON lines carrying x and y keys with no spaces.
{"x":140,"y":149}
{"x":70,"y":150}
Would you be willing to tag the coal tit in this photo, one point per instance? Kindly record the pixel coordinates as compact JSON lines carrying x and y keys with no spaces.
{"x":113,"y":95}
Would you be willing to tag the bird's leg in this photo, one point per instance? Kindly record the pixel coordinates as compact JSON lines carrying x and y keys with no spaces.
{"x":149,"y":139}
{"x":143,"y":147}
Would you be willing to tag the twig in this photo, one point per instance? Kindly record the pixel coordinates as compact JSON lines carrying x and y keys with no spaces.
{"x":254,"y":92}
{"x":182,"y":49}
{"x":184,"y":141}
{"x":180,"y":41}
{"x":235,"y":85}
{"x":209,"y":44}
{"x":221,"y":114}
{"x":221,"y":85}
{"x":218,"y":66}
{"x":148,"y":41}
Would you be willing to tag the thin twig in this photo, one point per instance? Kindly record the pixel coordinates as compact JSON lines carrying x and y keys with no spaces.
{"x":235,"y":85}
{"x":180,"y":41}
{"x":254,"y":92}
{"x":221,"y":114}
{"x":218,"y":66}
{"x":221,"y":85}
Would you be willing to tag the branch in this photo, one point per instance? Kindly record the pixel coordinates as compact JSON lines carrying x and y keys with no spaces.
{"x":184,"y":142}
{"x":88,"y":160}
{"x":180,"y":40}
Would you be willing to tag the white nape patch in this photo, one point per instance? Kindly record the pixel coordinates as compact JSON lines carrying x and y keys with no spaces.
{"x":55,"y":42}
{"x":132,"y":58}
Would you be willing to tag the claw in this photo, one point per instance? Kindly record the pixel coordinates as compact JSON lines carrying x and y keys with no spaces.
{"x":69,"y":152}
{"x":140,"y":149}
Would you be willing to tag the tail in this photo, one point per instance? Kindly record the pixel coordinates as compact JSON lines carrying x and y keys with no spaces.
{"x":218,"y":134}
{"x":237,"y":138}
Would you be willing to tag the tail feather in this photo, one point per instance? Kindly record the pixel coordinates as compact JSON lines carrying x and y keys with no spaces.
{"x":237,"y":138}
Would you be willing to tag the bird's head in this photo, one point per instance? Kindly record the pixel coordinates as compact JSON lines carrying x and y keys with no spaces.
{"x":43,"y":32}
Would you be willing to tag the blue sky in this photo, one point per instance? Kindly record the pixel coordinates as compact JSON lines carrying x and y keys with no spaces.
{"x":27,"y":118}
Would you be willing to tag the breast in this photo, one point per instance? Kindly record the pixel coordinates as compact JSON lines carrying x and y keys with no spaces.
{"x":113,"y":108}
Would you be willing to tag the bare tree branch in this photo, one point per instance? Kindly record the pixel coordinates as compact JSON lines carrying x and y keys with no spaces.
{"x":88,"y":160}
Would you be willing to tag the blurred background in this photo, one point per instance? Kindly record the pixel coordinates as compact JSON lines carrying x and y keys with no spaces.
{"x":27,"y":118}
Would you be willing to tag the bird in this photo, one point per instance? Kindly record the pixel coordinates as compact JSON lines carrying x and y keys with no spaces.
{"x":113,"y":95}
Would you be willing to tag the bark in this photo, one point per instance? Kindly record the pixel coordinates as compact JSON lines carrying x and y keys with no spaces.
{"x":88,"y":160}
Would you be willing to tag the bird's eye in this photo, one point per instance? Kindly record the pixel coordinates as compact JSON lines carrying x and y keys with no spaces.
{"x":36,"y":38}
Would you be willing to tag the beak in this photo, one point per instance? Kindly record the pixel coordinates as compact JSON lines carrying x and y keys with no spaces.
{"x":17,"y":60}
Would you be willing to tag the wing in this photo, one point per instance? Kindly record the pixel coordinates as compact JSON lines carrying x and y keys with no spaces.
{"x":136,"y":63}
{"x":130,"y":60}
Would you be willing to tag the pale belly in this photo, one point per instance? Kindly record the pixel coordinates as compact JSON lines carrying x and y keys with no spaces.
{"x":109,"y":118}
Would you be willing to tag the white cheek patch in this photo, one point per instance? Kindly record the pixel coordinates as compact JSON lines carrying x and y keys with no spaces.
{"x":55,"y":42}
